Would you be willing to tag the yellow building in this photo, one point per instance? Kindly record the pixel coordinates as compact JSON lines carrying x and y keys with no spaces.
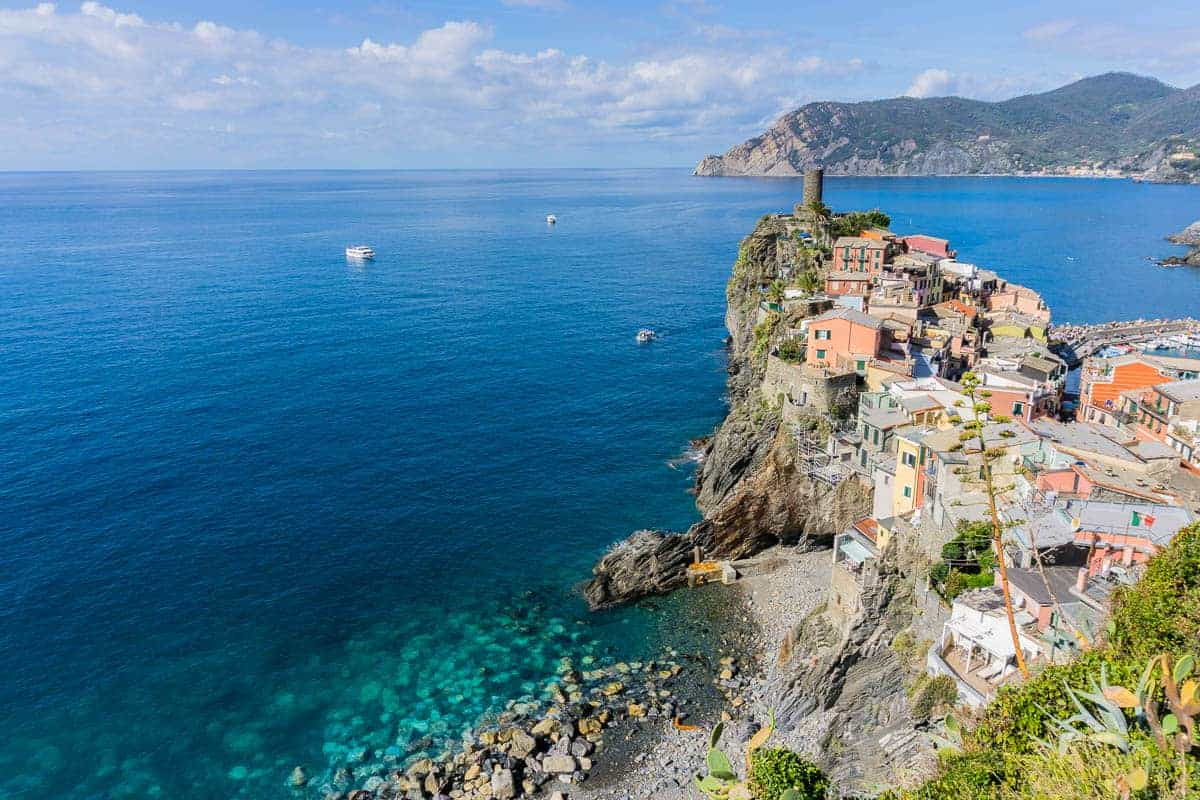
{"x":910,"y":463}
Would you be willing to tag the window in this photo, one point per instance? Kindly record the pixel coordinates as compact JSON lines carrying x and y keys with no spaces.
{"x":860,"y":365}
{"x":908,"y":491}
{"x":909,"y":460}
{"x":823,"y":335}
{"x":877,"y":436}
{"x":1018,"y":409}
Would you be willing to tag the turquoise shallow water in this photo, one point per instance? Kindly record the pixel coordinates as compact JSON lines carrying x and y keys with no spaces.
{"x":264,"y":507}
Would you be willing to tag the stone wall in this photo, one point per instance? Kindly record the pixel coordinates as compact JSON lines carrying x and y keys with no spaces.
{"x":800,"y":386}
{"x":845,"y":596}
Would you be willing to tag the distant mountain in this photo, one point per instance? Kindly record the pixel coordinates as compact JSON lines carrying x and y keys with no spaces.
{"x":1114,"y":124}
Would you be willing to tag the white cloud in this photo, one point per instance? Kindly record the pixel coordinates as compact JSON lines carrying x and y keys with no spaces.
{"x":1174,"y":57}
{"x":931,"y":83}
{"x":99,"y":85}
{"x":937,"y":82}
{"x":1051,"y":30}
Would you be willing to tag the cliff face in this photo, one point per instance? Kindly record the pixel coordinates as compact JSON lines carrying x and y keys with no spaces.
{"x":1117,"y":124}
{"x":844,"y":687}
{"x":749,"y":487}
{"x":1189,"y":236}
{"x":840,"y":685}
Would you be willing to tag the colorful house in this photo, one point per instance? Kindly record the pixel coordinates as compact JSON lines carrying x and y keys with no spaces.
{"x":931,"y":245}
{"x":843,"y":336}
{"x":1119,"y":535}
{"x":1019,"y":300}
{"x":848,"y":283}
{"x":860,"y":254}
{"x":911,"y":457}
{"x":1103,"y":380}
{"x":1016,"y":395}
{"x":1151,"y":413}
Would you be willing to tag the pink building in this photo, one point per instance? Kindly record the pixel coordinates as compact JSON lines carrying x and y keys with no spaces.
{"x":852,"y":283}
{"x":861,"y":254}
{"x":843,"y":337}
{"x":1021,"y":299}
{"x":931,"y":245}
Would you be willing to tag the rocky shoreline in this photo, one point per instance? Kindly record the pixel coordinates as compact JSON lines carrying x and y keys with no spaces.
{"x":1189,"y":236}
{"x":592,"y":728}
{"x":636,"y":730}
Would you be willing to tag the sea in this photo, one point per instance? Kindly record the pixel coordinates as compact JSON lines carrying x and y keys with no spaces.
{"x":262,"y":506}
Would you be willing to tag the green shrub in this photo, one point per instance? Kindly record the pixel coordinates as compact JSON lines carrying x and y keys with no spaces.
{"x":1002,"y":758}
{"x":1161,"y":614}
{"x":957,"y":582}
{"x":792,"y":350}
{"x":961,"y":776}
{"x":1022,"y":714}
{"x":931,"y":693}
{"x":774,"y":771}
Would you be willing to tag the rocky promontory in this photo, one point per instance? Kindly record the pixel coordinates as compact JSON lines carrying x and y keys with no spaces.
{"x":1189,"y":236}
{"x":749,"y":487}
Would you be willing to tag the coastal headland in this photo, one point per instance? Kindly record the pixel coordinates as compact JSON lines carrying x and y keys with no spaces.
{"x":830,"y":493}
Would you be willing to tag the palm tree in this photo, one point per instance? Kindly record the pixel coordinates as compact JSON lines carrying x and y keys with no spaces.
{"x":809,"y":281}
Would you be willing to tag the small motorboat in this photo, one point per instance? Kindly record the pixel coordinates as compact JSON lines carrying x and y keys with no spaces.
{"x":646,"y":335}
{"x":360,"y":252}
{"x":551,"y":219}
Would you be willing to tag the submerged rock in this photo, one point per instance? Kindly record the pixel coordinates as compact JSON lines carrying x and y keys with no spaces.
{"x":299,"y":777}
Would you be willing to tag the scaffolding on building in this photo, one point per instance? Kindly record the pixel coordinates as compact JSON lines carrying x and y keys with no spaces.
{"x":814,"y":459}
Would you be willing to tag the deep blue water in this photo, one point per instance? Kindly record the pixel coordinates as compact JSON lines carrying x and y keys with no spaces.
{"x":260,"y":506}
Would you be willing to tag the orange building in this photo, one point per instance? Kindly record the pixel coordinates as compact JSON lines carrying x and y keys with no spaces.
{"x":1103,"y":380}
{"x":843,"y":337}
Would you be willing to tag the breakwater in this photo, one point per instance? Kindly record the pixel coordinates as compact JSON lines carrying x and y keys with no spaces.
{"x":1076,"y":342}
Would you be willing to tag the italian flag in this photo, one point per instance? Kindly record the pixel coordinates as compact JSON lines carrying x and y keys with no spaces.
{"x":1142,"y":520}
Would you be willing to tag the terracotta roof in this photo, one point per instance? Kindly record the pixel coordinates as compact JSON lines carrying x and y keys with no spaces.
{"x":868,"y":527}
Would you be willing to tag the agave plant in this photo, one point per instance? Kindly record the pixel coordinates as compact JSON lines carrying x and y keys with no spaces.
{"x":721,"y":782}
{"x":1170,"y":716}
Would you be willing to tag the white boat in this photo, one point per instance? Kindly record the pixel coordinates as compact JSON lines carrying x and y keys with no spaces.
{"x":646,"y":335}
{"x":360,"y":252}
{"x":551,"y":219}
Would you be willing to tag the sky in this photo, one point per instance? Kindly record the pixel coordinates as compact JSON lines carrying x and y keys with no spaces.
{"x":162,"y":84}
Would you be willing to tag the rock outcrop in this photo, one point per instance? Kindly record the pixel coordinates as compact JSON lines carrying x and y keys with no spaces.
{"x":844,"y":686}
{"x":749,"y":487}
{"x":1189,"y":236}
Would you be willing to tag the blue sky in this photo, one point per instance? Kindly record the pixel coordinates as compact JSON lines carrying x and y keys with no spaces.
{"x":515,"y":83}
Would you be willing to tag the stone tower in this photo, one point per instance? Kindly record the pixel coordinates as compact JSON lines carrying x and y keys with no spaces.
{"x":814,"y":186}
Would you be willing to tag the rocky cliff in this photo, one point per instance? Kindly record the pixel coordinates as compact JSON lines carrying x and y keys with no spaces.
{"x":749,"y":486}
{"x":845,"y":685}
{"x":1114,"y":124}
{"x":1189,"y":236}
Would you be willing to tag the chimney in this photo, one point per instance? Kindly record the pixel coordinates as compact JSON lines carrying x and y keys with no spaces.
{"x":1081,"y":580}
